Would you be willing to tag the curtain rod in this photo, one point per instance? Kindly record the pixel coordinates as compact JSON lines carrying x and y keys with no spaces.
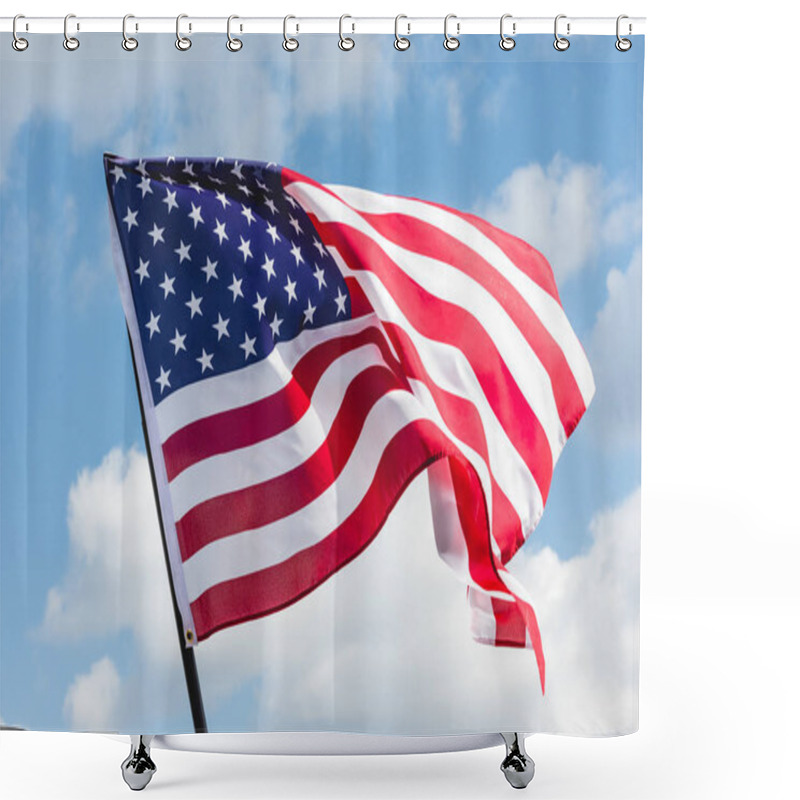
{"x":300,"y":24}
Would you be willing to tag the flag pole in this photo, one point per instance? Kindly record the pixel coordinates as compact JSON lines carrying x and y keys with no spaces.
{"x":187,"y":653}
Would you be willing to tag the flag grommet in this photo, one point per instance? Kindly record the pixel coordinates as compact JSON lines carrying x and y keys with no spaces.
{"x":189,"y":636}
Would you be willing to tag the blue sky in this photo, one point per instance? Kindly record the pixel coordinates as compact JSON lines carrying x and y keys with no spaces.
{"x":479,"y":129}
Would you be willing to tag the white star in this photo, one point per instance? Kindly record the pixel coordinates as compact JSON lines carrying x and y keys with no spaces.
{"x":142,"y":271}
{"x":341,"y":299}
{"x":170,"y":160}
{"x":194,"y":305}
{"x":245,"y":248}
{"x":295,"y":224}
{"x":237,"y":170}
{"x":290,"y":200}
{"x":236,"y":288}
{"x":196,"y":186}
{"x":210,"y":269}
{"x":167,"y":179}
{"x":220,"y":230}
{"x":268,"y":266}
{"x":320,"y":276}
{"x":152,"y":326}
{"x":219,"y":160}
{"x":244,"y":189}
{"x":140,"y":167}
{"x":273,"y":232}
{"x":308,"y":313}
{"x":221,"y":326}
{"x":196,"y":215}
{"x":205,"y":360}
{"x":321,"y":247}
{"x":224,"y":200}
{"x":262,"y":186}
{"x":297,"y":255}
{"x":183,"y":252}
{"x":178,"y":341}
{"x":130,"y":219}
{"x":259,"y":305}
{"x":275,"y":325}
{"x":144,"y":187}
{"x":189,"y":168}
{"x":248,"y":215}
{"x":270,"y":204}
{"x":170,"y":200}
{"x":249,"y":346}
{"x":118,"y":173}
{"x":166,"y":285}
{"x":290,"y":284}
{"x":163,"y":379}
{"x":157,"y":234}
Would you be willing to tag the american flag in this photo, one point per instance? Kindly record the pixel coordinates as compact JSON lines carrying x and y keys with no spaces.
{"x":305,"y":350}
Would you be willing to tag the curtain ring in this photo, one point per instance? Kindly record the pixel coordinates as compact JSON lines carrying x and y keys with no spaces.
{"x":289,"y":44}
{"x":451,"y":42}
{"x":233,"y":44}
{"x":128,"y":42}
{"x":561,"y":43}
{"x":401,"y":42}
{"x":622,"y":44}
{"x":18,"y":43}
{"x":70,"y":42}
{"x":345,"y":42}
{"x":181,"y":42}
{"x":507,"y":42}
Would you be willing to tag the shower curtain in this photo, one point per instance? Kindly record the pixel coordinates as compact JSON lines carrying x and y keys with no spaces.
{"x":328,"y":361}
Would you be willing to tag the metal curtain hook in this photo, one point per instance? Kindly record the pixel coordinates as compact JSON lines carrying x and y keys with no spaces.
{"x":181,"y":42}
{"x":345,"y":42}
{"x":401,"y":42}
{"x":622,"y":44}
{"x":70,"y":42}
{"x":233,"y":44}
{"x":451,"y":42}
{"x":561,"y":43}
{"x":507,"y":42}
{"x":18,"y":43}
{"x":128,"y":42}
{"x":289,"y":44}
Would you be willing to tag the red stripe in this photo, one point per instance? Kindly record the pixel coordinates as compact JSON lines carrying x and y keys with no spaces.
{"x":257,"y":421}
{"x":523,"y":255}
{"x":464,"y":421}
{"x":447,"y":322}
{"x":411,"y":450}
{"x":421,"y":237}
{"x":265,"y":502}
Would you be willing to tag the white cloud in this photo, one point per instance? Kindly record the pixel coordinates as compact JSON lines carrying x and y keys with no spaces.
{"x":93,"y":698}
{"x":385,"y":645}
{"x":568,"y":211}
{"x":588,"y":610}
{"x":615,"y":353}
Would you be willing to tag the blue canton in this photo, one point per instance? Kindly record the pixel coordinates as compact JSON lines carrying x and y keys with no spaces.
{"x":222,"y":265}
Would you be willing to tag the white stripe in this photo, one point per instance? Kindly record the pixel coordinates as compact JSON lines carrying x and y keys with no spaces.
{"x":249,"y":551}
{"x":249,"y":384}
{"x":448,"y":283}
{"x":247,"y":466}
{"x":544,"y":305}
{"x":451,"y":371}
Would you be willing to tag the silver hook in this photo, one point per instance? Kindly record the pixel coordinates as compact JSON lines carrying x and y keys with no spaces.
{"x":623,"y":45}
{"x":289,"y":44}
{"x":182,"y":42}
{"x":18,"y":43}
{"x":561,"y":43}
{"x":70,"y":42}
{"x":400,"y":42}
{"x":506,"y":42}
{"x":345,"y":42}
{"x":451,"y":42}
{"x":233,"y":44}
{"x":128,"y":42}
